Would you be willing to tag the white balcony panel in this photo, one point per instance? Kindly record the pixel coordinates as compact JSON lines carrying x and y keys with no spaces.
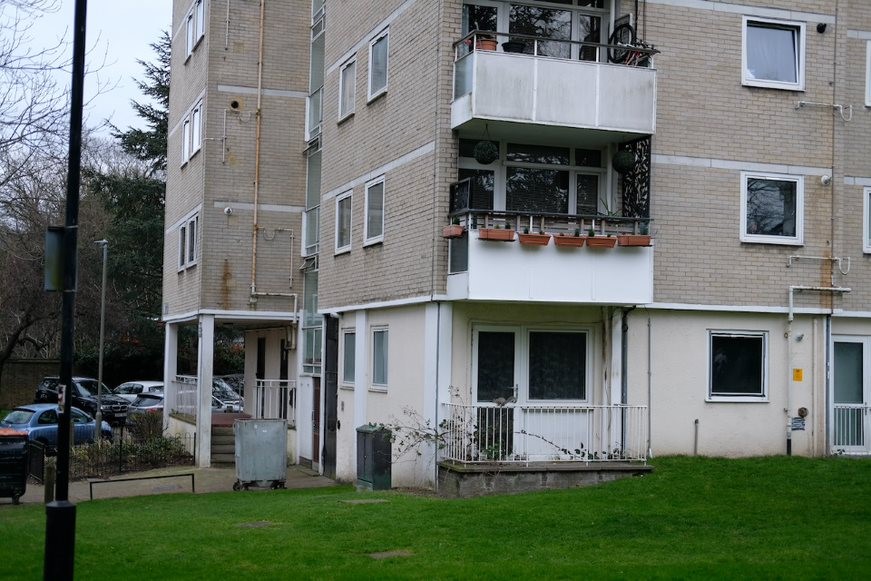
{"x":509,"y":271}
{"x":554,"y":92}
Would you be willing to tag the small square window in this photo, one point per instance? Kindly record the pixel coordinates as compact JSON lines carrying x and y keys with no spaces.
{"x":773,"y":54}
{"x":347,"y":89}
{"x":375,"y":211}
{"x":378,"y":65}
{"x":738,"y":363}
{"x":343,"y":223}
{"x":772,"y":208}
{"x":379,"y":358}
{"x":349,"y":347}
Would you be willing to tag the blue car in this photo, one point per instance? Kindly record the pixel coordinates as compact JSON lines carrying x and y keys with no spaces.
{"x":40,"y":421}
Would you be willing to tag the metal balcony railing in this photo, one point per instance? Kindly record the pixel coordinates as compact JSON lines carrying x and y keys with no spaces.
{"x":275,"y":399}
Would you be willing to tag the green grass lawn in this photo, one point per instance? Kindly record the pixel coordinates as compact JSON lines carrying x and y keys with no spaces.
{"x":692,"y":518}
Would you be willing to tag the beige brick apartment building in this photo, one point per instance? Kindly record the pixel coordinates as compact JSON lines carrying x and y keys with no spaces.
{"x":703,"y":191}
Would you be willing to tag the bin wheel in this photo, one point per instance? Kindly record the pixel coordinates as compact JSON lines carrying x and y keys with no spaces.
{"x":236,"y":486}
{"x":278,"y":485}
{"x":15,"y":498}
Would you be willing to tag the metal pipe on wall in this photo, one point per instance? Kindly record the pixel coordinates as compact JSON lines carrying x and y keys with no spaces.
{"x":258,"y":124}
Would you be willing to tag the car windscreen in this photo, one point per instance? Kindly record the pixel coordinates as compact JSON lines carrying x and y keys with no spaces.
{"x":222,"y":391}
{"x":90,"y":387}
{"x":18,"y":417}
{"x":144,"y":401}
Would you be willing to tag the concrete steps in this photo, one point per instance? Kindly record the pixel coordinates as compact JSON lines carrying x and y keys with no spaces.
{"x":223,"y":452}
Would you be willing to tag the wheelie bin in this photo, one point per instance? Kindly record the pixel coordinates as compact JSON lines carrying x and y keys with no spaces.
{"x":13,"y":464}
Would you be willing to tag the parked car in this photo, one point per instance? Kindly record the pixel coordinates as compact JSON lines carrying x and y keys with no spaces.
{"x":145,"y":403}
{"x":131,"y":389}
{"x":84,"y":393}
{"x":236,"y":381}
{"x":40,"y":422}
{"x":230,"y":400}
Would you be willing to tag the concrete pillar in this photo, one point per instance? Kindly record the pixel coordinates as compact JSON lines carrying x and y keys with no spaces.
{"x":615,"y":378}
{"x":205,"y":363}
{"x":361,"y":373}
{"x":170,"y":367}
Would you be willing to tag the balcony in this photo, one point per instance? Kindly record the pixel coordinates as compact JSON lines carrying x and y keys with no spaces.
{"x":562,"y":97}
{"x":576,"y":258}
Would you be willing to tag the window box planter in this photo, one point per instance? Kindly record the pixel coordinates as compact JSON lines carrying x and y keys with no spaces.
{"x":534,"y":239}
{"x":634,"y":240}
{"x":569,"y":241}
{"x":601,"y":242}
{"x":498,"y":234}
{"x":453,"y":231}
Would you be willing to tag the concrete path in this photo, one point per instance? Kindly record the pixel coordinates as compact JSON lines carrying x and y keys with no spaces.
{"x":177,"y":480}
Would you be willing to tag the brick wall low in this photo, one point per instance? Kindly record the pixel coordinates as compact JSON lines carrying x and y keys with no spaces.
{"x":19,"y":378}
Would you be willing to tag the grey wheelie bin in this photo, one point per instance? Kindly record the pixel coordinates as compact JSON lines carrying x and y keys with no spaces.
{"x":261,"y":453}
{"x":13,"y":464}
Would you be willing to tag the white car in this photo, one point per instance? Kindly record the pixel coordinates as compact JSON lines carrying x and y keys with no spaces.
{"x":132,"y":389}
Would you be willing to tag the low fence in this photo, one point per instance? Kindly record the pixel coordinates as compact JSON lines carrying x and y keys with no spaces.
{"x":850,"y":425}
{"x":275,"y":399}
{"x":521,"y":433}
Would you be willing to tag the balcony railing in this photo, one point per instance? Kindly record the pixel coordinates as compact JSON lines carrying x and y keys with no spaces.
{"x":850,"y":428}
{"x":524,"y":433}
{"x":275,"y":399}
{"x":181,"y":397}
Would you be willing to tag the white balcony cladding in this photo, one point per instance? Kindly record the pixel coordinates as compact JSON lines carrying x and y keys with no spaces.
{"x":527,"y":89}
{"x":510,"y":271}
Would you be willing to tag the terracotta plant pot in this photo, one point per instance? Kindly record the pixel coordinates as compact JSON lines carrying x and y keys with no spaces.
{"x":634,"y":240}
{"x":569,"y":241}
{"x":535,"y":239}
{"x":483,"y":43}
{"x":453,"y":231}
{"x":498,"y":234}
{"x":601,"y":242}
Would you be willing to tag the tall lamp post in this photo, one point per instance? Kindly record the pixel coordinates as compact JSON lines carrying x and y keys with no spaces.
{"x":104,"y":245}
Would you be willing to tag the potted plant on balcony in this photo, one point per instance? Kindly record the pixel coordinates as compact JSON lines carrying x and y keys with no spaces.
{"x":498,"y":234}
{"x":594,"y":241}
{"x":574,"y":241}
{"x":643,"y":237}
{"x":455,"y":230}
{"x":514,"y":46}
{"x":485,"y":41}
{"x":532,"y":239}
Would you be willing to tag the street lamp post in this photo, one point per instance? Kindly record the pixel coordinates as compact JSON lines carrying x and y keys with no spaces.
{"x":104,"y":245}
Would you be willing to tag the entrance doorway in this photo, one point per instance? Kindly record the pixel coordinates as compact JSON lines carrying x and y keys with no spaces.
{"x":851,"y":395}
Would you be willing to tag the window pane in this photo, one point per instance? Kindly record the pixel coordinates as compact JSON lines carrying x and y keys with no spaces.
{"x":200,"y":18}
{"x":483,"y":185}
{"x":313,"y":184}
{"x":192,"y":240}
{"x":189,"y":33}
{"x":771,"y":52}
{"x":349,"y":359}
{"x":186,"y":138}
{"x":310,"y":300}
{"x":537,"y":190}
{"x":588,"y":194}
{"x":196,"y":122}
{"x":588,"y":157}
{"x":378,"y":66}
{"x":312,"y":230}
{"x":375,"y":211}
{"x":182,"y":245}
{"x":343,"y":232}
{"x":557,"y":365}
{"x":495,"y":365}
{"x":478,"y":18}
{"x":848,"y":372}
{"x":349,"y":74}
{"x":538,"y":154}
{"x":736,"y":365}
{"x":543,"y":22}
{"x":379,"y":357}
{"x":316,"y":75}
{"x":771,"y":207}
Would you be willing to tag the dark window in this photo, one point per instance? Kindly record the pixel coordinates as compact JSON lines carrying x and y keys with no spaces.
{"x":495,"y":365}
{"x":538,"y":154}
{"x":482,"y":187}
{"x":771,"y":207}
{"x":478,"y":18}
{"x":737,"y":365}
{"x":537,"y":190}
{"x":557,"y":365}
{"x":48,"y":417}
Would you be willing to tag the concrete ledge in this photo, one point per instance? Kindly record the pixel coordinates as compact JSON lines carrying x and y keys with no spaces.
{"x":461,"y":480}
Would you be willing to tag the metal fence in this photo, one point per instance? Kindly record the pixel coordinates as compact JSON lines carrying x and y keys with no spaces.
{"x":181,"y":395}
{"x":275,"y":399}
{"x":849,"y":427}
{"x":521,"y":433}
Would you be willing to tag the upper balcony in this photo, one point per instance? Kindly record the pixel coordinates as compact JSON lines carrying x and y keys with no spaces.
{"x":606,"y":93}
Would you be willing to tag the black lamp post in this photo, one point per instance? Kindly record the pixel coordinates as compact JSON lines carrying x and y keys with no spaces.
{"x":60,"y":521}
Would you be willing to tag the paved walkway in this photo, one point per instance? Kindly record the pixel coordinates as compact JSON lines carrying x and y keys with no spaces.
{"x":205,"y":480}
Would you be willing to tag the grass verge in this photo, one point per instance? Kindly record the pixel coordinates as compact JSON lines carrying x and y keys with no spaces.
{"x":692,"y":518}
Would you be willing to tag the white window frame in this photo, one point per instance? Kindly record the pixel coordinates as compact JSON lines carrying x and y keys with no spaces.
{"x":188,"y":242}
{"x":866,"y":220}
{"x":384,"y":34}
{"x":192,"y":132}
{"x":798,"y":239}
{"x":380,"y":237}
{"x":348,"y":382}
{"x":526,"y":363}
{"x":373,"y":386}
{"x":868,"y":74}
{"x":799,"y":56}
{"x":195,"y":26}
{"x":186,"y":140}
{"x":738,"y":398}
{"x":345,"y":113}
{"x":339,"y":199}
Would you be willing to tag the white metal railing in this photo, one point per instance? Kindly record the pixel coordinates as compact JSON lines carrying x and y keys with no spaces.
{"x":523,"y":433}
{"x":181,"y":397}
{"x":275,"y":399}
{"x":849,"y":427}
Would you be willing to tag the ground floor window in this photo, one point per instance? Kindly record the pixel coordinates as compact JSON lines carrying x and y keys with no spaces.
{"x":738,"y":363}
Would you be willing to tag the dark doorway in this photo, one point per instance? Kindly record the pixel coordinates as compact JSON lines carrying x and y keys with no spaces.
{"x":331,"y":395}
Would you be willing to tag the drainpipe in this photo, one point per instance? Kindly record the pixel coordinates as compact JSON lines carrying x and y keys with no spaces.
{"x":649,"y":388}
{"x":258,"y":124}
